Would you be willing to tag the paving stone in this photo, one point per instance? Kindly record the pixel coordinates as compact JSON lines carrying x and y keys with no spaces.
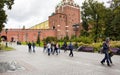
{"x":40,"y":63}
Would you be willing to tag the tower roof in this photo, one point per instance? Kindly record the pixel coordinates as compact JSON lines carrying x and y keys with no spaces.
{"x":67,"y":2}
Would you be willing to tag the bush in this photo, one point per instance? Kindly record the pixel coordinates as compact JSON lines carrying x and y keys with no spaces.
{"x":49,"y":39}
{"x":97,"y":46}
{"x":86,"y":40}
{"x":24,"y":43}
{"x":115,"y":44}
{"x":81,"y":44}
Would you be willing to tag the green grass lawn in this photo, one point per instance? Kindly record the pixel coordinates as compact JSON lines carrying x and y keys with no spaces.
{"x":8,"y":49}
{"x":2,"y":47}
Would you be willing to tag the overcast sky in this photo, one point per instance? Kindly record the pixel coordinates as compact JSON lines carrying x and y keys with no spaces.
{"x":31,"y":12}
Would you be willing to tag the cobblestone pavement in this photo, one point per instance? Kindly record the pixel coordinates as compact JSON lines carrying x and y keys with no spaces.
{"x":40,"y":63}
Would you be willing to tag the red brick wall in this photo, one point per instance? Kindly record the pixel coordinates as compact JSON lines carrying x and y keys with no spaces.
{"x":27,"y":34}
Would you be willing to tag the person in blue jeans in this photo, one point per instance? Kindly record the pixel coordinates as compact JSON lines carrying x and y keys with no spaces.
{"x":106,"y":52}
{"x":71,"y":49}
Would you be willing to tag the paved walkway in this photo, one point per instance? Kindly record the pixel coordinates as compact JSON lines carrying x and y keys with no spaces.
{"x":40,"y":63}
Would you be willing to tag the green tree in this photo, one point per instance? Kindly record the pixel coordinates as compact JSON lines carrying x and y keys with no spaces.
{"x":85,"y":18}
{"x":115,"y":23}
{"x":108,"y":26}
{"x":112,"y":21}
{"x":93,"y":16}
{"x":3,"y":16}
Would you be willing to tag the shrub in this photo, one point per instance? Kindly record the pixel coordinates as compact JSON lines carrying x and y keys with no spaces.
{"x":115,"y":44}
{"x":24,"y":43}
{"x":97,"y":46}
{"x":49,"y":39}
{"x":86,"y":40}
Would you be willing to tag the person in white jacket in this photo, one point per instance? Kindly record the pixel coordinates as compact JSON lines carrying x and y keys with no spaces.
{"x":49,"y":48}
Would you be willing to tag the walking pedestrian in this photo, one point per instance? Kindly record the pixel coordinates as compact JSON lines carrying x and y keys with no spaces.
{"x":65,"y":46}
{"x":29,"y":47}
{"x":58,"y":48}
{"x":106,"y":48}
{"x":52,"y":47}
{"x":49,"y":48}
{"x":71,"y":49}
{"x":33,"y":45}
{"x":55,"y":49}
{"x":45,"y":47}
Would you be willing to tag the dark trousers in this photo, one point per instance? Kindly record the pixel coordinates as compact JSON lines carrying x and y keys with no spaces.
{"x":29,"y":49}
{"x":107,"y":58}
{"x":48,"y":51}
{"x":71,"y":53}
{"x":65,"y":49}
{"x":55,"y":50}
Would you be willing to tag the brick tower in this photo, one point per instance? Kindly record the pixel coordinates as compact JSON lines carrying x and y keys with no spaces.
{"x":67,"y":13}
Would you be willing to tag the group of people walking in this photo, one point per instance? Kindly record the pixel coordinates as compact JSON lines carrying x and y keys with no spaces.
{"x":52,"y":48}
{"x":31,"y":47}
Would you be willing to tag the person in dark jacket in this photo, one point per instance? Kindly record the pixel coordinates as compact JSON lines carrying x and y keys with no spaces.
{"x":106,"y":52}
{"x":71,"y":49}
{"x":45,"y":47}
{"x":65,"y":46}
{"x":29,"y":47}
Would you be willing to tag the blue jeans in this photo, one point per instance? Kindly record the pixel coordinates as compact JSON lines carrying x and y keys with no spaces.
{"x":48,"y":51}
{"x":106,"y":58}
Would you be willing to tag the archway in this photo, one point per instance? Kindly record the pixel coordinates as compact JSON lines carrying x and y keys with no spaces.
{"x":3,"y":38}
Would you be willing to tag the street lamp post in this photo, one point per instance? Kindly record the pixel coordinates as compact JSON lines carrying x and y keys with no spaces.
{"x":6,"y":30}
{"x":75,"y":28}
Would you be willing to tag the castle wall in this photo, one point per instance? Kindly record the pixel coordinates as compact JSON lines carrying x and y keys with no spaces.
{"x":28,"y":34}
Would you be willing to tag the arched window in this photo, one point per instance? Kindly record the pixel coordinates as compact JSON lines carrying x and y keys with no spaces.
{"x":53,"y":27}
